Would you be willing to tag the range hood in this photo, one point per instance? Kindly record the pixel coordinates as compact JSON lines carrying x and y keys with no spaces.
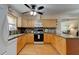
{"x":38,"y":23}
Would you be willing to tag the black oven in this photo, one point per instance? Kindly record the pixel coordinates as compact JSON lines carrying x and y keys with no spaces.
{"x":38,"y":34}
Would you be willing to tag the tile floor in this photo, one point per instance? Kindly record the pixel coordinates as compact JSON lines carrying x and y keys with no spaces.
{"x":36,"y":49}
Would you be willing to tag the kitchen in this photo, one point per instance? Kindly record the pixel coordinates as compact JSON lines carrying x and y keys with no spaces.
{"x":55,"y":32}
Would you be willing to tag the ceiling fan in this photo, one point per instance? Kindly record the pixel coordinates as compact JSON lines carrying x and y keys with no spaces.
{"x":34,"y":9}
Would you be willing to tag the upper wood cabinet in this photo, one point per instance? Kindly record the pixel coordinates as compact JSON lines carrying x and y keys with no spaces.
{"x":30,"y":22}
{"x":27,"y":22}
{"x":49,"y":22}
{"x":18,"y":22}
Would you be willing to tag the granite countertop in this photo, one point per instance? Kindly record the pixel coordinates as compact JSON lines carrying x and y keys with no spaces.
{"x":49,"y":33}
{"x":64,"y":35}
{"x":13,"y":36}
{"x":68,"y":36}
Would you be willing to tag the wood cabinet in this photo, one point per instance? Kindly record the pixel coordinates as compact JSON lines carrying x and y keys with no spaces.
{"x":27,"y":22}
{"x":65,"y":46}
{"x":30,"y":38}
{"x":59,"y":43}
{"x":53,"y":39}
{"x":72,"y":46}
{"x":19,"y":22}
{"x":47,"y":37}
{"x":21,"y":41}
{"x":49,"y":23}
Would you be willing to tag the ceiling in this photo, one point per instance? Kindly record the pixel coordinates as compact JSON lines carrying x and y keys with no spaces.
{"x":52,"y":10}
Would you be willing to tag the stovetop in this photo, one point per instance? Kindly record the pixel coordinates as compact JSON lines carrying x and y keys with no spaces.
{"x":38,"y":30}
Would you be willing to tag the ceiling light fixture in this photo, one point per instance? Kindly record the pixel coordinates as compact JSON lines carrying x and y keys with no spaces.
{"x":33,"y":13}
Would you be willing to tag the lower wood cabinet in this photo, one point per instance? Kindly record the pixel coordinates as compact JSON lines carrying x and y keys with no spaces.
{"x":59,"y":43}
{"x":72,"y":46}
{"x":47,"y":38}
{"x":65,"y":46}
{"x":23,"y":40}
{"x":30,"y":38}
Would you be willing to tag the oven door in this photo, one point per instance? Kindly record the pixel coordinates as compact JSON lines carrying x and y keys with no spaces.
{"x":38,"y":37}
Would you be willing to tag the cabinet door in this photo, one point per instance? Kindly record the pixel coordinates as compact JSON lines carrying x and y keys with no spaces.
{"x":60,"y":44}
{"x":47,"y":38}
{"x":49,"y":22}
{"x":21,"y":42}
{"x":18,"y":44}
{"x":24,"y":23}
{"x":52,"y":39}
{"x":19,"y":22}
{"x":27,"y":23}
{"x":30,"y":38}
{"x":30,"y":23}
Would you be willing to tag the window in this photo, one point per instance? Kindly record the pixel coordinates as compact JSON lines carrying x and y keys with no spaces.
{"x":12,"y":22}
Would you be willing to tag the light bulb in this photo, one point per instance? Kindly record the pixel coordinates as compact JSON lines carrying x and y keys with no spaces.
{"x":34,"y":13}
{"x":31,"y":13}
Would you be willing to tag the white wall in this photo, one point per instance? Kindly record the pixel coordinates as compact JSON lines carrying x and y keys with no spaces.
{"x":64,"y":24}
{"x":3,"y":28}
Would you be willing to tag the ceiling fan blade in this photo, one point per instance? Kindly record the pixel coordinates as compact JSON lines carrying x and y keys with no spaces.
{"x":25,"y":12}
{"x":41,"y":7}
{"x":40,"y":13}
{"x":27,"y":5}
